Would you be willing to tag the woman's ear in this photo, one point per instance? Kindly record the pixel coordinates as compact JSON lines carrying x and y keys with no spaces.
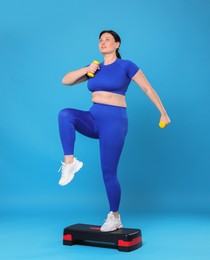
{"x":117,"y":45}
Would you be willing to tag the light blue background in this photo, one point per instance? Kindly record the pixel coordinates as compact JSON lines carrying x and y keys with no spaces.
{"x":161,"y":170}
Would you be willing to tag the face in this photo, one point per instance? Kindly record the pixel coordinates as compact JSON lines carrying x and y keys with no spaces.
{"x":107,"y":44}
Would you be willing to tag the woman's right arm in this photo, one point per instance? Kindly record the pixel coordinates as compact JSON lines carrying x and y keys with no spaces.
{"x":78,"y":76}
{"x":75,"y":77}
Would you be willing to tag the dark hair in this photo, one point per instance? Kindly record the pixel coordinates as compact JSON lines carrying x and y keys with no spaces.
{"x":116,"y":37}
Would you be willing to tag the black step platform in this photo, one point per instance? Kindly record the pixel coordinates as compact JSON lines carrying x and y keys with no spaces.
{"x":124,"y":239}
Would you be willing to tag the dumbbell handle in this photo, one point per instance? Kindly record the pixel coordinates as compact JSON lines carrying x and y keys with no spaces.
{"x":90,"y":74}
{"x":162,"y":124}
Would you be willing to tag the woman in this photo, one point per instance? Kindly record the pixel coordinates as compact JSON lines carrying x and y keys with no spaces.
{"x":107,"y":118}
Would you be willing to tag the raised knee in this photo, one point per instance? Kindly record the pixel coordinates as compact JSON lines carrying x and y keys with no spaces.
{"x":64,"y":113}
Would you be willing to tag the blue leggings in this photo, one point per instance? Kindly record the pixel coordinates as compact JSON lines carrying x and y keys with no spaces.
{"x":107,"y":123}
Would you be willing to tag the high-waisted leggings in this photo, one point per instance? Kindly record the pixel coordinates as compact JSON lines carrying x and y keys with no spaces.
{"x":107,"y":123}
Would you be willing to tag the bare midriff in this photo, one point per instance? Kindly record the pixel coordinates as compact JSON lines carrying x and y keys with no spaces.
{"x":108,"y":98}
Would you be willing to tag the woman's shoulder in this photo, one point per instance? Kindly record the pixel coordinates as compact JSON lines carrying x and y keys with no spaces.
{"x":126,"y":62}
{"x":129,"y":66}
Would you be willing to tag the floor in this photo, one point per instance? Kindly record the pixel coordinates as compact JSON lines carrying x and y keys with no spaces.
{"x":30,"y":234}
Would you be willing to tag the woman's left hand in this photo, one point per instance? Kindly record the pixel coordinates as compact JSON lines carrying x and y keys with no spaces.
{"x":165,"y":118}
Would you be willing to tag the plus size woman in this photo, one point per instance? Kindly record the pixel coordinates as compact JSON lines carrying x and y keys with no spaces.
{"x":106,"y":120}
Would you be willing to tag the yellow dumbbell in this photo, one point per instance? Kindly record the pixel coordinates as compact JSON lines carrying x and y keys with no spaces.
{"x":90,"y":74}
{"x":162,"y":124}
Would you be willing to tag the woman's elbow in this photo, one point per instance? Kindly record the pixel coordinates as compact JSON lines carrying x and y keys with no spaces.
{"x":65,"y":82}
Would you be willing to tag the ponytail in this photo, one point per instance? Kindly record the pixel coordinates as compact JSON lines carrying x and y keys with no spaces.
{"x":118,"y":54}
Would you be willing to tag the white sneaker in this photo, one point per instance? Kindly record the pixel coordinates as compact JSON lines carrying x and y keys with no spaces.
{"x":68,"y":171}
{"x":111,"y":223}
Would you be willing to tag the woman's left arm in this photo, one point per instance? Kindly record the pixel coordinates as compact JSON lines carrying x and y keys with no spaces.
{"x":144,"y":84}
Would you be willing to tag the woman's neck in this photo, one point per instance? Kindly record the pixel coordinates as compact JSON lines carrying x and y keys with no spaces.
{"x":109,"y":58}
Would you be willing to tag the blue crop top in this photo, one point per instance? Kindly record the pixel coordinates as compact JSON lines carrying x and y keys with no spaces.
{"x":114,"y":77}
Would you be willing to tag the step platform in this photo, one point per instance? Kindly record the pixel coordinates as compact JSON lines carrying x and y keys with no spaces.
{"x":124,"y":239}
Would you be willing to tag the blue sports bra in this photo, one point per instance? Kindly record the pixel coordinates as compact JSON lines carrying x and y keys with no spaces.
{"x":114,"y":77}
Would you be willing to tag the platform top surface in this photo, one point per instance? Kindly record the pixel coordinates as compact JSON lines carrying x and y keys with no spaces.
{"x":95,"y":228}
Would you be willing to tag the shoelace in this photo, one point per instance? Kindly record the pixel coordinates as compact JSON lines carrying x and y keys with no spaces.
{"x":62,"y":166}
{"x":109,"y":218}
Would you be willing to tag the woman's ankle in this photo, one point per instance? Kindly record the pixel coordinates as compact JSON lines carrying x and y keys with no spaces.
{"x":116,"y":214}
{"x":68,"y":159}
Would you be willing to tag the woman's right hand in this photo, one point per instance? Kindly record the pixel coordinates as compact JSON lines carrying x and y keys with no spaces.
{"x":93,"y":67}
